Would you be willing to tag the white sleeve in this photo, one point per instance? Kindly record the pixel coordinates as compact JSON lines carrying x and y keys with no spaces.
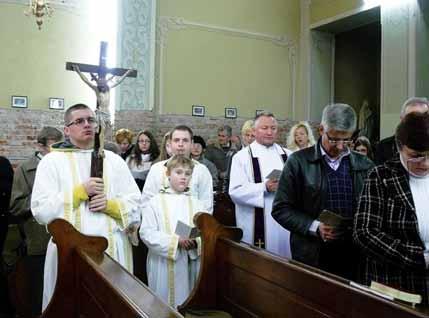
{"x":48,"y":197}
{"x":125,"y":191}
{"x":156,"y":240}
{"x":242,"y":189}
{"x":151,"y":186}
{"x":205,"y":188}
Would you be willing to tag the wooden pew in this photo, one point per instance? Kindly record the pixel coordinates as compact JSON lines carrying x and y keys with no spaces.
{"x":247,"y":282}
{"x":91,"y":284}
{"x":224,"y":209}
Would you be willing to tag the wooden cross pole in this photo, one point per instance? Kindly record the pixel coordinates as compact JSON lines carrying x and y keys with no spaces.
{"x":101,"y":87}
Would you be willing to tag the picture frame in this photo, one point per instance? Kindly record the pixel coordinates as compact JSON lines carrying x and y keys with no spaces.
{"x":19,"y":101}
{"x":56,"y":103}
{"x":259,"y":111}
{"x":230,"y":112}
{"x":198,"y":110}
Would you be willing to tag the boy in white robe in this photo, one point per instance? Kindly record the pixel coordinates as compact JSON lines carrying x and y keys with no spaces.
{"x":63,"y":188}
{"x":173,"y":261}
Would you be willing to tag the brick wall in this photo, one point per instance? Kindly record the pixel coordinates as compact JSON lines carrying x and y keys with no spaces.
{"x":19,"y":127}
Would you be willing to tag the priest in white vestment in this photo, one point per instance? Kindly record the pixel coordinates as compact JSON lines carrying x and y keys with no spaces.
{"x":253,"y":193}
{"x":201,"y":185}
{"x":173,"y":261}
{"x":63,"y":186}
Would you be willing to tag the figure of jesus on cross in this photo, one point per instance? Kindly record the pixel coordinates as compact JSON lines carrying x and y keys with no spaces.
{"x":98,"y":82}
{"x":101,"y":87}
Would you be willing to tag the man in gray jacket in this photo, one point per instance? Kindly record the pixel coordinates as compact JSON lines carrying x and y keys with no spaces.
{"x":327,"y":176}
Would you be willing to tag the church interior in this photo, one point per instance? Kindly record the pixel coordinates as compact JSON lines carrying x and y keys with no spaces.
{"x":205,"y":64}
{"x":288,"y":57}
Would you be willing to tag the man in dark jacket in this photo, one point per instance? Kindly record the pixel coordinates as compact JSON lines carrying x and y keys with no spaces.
{"x":386,"y":148}
{"x":327,"y":176}
{"x":25,"y":231}
{"x":6,"y":177}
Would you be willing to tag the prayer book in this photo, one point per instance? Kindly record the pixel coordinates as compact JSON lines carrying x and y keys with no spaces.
{"x":274,"y":175}
{"x":333,"y":219}
{"x":396,"y":293}
{"x":389,"y":292}
{"x":186,"y":231}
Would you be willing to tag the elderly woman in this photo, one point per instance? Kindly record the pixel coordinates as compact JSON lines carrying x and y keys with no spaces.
{"x":124,"y":139}
{"x":392,"y":219}
{"x":300,"y":137}
{"x":247,"y":133}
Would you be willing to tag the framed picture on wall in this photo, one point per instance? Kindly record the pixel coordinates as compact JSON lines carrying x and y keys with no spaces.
{"x":56,"y":103}
{"x":19,"y":101}
{"x":230,"y":112}
{"x":198,"y":110}
{"x":259,"y":111}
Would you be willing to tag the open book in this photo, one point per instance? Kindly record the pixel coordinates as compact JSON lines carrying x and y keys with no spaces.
{"x":389,"y":293}
{"x":186,"y":231}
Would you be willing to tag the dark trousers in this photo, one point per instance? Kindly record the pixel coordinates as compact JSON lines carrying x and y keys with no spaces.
{"x":340,"y":257}
{"x":26,"y":285}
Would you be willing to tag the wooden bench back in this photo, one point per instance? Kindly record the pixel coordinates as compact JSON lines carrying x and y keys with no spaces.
{"x":247,"y":282}
{"x":91,"y":284}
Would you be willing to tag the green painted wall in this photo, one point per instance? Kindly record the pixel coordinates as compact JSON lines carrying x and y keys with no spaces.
{"x":33,"y":61}
{"x":422,"y":31}
{"x":218,"y":70}
{"x":325,"y":9}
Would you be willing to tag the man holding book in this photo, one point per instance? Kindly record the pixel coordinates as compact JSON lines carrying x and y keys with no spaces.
{"x":318,"y":193}
{"x":253,"y":183}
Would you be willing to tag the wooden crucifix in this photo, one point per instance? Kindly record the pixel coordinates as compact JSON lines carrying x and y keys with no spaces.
{"x":101,"y":87}
{"x":98,"y":74}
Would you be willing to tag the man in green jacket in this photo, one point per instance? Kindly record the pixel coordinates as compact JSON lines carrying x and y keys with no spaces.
{"x":327,"y":176}
{"x":24,"y":230}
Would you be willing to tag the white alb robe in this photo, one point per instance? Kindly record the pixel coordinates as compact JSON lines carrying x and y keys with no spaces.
{"x":247,"y":195}
{"x":56,"y":176}
{"x":201,"y":185}
{"x":171,"y":271}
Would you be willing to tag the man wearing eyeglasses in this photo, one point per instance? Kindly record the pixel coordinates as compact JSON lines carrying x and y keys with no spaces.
{"x":64,"y":189}
{"x":326,"y":177}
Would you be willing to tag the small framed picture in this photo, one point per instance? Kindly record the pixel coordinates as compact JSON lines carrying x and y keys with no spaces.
{"x":230,"y":112}
{"x":56,"y":103}
{"x":19,"y":101}
{"x":259,"y":111}
{"x":198,"y":110}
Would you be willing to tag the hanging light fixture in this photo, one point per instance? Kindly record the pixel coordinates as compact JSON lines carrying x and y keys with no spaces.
{"x":39,"y":9}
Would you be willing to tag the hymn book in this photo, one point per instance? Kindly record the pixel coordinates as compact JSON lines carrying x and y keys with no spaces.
{"x":274,"y":174}
{"x":186,"y":231}
{"x":333,"y":219}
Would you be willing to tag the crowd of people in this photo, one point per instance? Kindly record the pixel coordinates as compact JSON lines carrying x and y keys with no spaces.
{"x":320,"y":200}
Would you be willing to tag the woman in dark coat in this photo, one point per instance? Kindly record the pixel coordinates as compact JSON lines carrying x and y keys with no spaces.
{"x":392,"y":220}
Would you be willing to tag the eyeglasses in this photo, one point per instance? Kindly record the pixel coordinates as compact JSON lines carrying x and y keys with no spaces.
{"x":81,"y":122}
{"x":418,"y":160}
{"x":337,"y":141}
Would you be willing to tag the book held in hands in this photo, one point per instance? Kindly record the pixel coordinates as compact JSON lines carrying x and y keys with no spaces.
{"x":186,"y":231}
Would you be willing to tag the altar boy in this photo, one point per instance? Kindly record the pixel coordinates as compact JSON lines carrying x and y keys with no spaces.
{"x":173,"y":261}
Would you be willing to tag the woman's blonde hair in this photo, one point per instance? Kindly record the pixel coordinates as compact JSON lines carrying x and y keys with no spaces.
{"x":163,"y":155}
{"x":291,"y":144}
{"x":248,"y":125}
{"x":124,"y":134}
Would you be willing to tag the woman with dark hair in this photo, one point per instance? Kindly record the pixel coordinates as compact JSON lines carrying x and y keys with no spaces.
{"x":363,"y":145}
{"x":144,"y":153}
{"x":392,"y":220}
